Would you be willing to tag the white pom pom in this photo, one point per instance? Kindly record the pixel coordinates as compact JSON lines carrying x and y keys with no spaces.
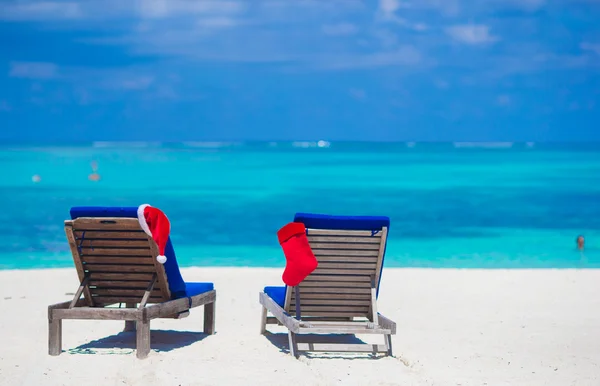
{"x":161,"y":258}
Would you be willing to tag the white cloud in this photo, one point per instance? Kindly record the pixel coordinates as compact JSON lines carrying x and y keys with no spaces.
{"x":221,"y":30}
{"x":125,"y":79}
{"x":340,"y":29}
{"x":441,"y":84}
{"x":218,"y":22}
{"x":402,"y":56}
{"x":386,"y":12}
{"x":132,"y":83}
{"x":33,"y":70}
{"x":357,"y":93}
{"x":333,"y":5}
{"x":445,"y":7}
{"x":503,"y":100}
{"x":525,"y":5}
{"x":4,"y":106}
{"x":388,"y":8}
{"x":40,"y":10}
{"x":170,"y":8}
{"x":387,"y":38}
{"x":595,"y":48}
{"x":471,"y":34}
{"x":31,"y":10}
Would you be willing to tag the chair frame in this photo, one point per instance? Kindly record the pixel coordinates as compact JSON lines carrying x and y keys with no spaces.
{"x":99,"y":307}
{"x":338,"y":321}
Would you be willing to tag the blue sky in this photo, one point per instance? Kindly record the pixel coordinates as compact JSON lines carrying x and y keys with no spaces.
{"x":423,"y":70}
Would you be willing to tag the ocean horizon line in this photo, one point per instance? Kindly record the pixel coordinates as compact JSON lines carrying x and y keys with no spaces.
{"x":302,"y":145}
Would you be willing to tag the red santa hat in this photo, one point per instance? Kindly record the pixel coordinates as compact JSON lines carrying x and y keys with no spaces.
{"x":156,"y":225}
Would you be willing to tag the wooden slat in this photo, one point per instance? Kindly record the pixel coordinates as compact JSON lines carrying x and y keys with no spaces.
{"x":328,"y":291}
{"x":339,"y":265}
{"x":324,"y":271}
{"x":332,"y":278}
{"x":342,"y":319}
{"x":127,"y":235}
{"x":342,"y":347}
{"x":118,"y":260}
{"x":106,"y":223}
{"x":328,"y":308}
{"x":112,"y":243}
{"x":335,"y":252}
{"x":123,"y":292}
{"x":116,"y":251}
{"x":344,"y":239}
{"x":336,"y":232}
{"x":96,"y":313}
{"x":119,"y":268}
{"x":332,"y":314}
{"x":342,"y":328}
{"x":138,"y":284}
{"x":308,"y":296}
{"x":345,"y":246}
{"x":146,"y":277}
{"x":347,"y":259}
{"x":306,"y":302}
{"x":124,"y":299}
{"x":338,"y":284}
{"x":338,"y":323}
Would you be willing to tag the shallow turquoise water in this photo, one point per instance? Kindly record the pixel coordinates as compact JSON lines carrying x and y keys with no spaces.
{"x":450,"y":206}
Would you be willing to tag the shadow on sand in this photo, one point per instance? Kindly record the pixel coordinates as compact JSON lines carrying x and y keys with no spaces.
{"x":280,"y":340}
{"x":160,"y":340}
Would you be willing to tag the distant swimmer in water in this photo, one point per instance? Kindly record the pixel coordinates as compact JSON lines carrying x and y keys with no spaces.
{"x":580,"y":242}
{"x":94,"y":176}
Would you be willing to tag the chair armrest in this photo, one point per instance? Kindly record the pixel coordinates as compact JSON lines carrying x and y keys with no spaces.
{"x":286,"y":319}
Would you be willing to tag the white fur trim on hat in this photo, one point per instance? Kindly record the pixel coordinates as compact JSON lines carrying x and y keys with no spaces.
{"x":142,"y":219}
{"x":161,"y":259}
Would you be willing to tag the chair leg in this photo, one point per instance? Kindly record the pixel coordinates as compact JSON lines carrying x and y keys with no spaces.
{"x":209,"y":318}
{"x":54,"y":336}
{"x":293,"y":344}
{"x":388,"y":344}
{"x":142,"y":339}
{"x":129,"y":324}
{"x":263,"y":321}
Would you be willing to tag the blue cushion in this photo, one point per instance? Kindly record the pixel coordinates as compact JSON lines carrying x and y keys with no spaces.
{"x":277,"y":294}
{"x":193,"y":289}
{"x":323,"y":221}
{"x":176,"y":284}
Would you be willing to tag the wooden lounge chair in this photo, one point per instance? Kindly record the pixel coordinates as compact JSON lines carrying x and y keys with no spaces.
{"x":340,"y":296}
{"x":116,"y":264}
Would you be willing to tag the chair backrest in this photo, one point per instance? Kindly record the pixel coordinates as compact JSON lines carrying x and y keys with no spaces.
{"x":340,"y":287}
{"x":118,"y":258}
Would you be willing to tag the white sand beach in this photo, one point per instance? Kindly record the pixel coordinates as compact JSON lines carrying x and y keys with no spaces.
{"x":455,"y":327}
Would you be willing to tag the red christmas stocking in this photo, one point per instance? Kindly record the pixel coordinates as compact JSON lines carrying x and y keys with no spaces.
{"x":300,"y":260}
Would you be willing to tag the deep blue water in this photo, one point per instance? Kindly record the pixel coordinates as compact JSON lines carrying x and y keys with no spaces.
{"x":451,"y":205}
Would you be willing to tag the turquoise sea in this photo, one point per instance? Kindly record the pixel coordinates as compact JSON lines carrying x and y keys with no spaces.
{"x":499,"y":205}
